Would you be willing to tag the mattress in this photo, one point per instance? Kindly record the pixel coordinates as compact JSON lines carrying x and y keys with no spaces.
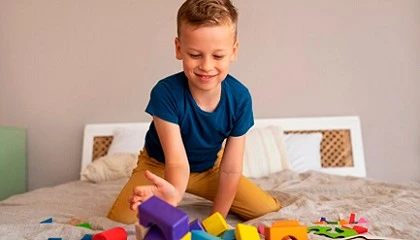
{"x":391,"y":210}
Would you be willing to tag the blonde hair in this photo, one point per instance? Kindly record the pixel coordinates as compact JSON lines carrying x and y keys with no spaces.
{"x":199,"y":13}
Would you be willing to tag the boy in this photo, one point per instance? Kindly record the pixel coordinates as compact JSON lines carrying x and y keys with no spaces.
{"x":193,"y":112}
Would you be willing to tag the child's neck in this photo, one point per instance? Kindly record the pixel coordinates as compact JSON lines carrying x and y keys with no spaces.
{"x":207,"y":100}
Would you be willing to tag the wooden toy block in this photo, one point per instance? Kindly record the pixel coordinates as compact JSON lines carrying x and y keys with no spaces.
{"x":296,"y":232}
{"x":333,"y":223}
{"x":362,"y":220}
{"x":48,"y":220}
{"x":285,"y":223}
{"x":352,"y":216}
{"x":246,"y":232}
{"x":84,"y":225}
{"x":196,"y":225}
{"x":170,"y":220}
{"x":360,"y":229}
{"x":323,"y":219}
{"x":261,"y":229}
{"x":343,"y":222}
{"x":215,"y":224}
{"x":117,"y":233}
{"x":154,"y":233}
{"x":326,"y":231}
{"x":202,"y":235}
{"x":229,"y":235}
{"x":87,"y":237}
{"x":187,"y":236}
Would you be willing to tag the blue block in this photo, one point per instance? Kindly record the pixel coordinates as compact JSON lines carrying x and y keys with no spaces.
{"x":229,"y":235}
{"x":202,"y":235}
{"x":49,"y":220}
{"x":171,"y":221}
{"x":154,"y":233}
{"x":196,"y":225}
{"x":87,"y":237}
{"x":55,"y":239}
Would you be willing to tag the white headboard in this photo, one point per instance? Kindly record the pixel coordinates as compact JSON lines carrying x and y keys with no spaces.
{"x":351,"y":123}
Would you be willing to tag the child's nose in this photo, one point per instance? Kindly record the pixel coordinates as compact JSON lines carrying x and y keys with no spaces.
{"x":206,"y":64}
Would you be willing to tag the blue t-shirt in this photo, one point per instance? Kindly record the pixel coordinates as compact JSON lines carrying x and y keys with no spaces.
{"x":202,"y":132}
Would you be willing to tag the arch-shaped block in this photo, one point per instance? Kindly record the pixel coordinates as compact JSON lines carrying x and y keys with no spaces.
{"x":171,"y":221}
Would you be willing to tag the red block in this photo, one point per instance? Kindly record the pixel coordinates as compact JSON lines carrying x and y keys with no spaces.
{"x":360,"y":229}
{"x":352,"y":216}
{"x":117,"y":233}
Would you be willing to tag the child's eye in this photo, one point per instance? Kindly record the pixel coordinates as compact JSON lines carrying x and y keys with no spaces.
{"x":218,"y":57}
{"x":194,"y":55}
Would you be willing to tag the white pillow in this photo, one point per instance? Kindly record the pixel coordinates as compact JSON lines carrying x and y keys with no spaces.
{"x":303,"y":151}
{"x":111,"y":167}
{"x":127,"y":140}
{"x":264,"y":152}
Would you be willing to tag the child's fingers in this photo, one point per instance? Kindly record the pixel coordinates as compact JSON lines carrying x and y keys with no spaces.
{"x":134,"y":206}
{"x":156,"y":180}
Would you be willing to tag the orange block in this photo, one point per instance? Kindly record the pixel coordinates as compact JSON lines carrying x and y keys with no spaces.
{"x":285,"y":223}
{"x":287,"y":228}
{"x":343,"y":222}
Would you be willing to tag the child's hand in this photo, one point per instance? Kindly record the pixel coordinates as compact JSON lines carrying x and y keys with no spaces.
{"x":160,"y":188}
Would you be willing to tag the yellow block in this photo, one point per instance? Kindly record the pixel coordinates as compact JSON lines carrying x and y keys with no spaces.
{"x":215,"y":224}
{"x":187,"y":236}
{"x":246,"y":232}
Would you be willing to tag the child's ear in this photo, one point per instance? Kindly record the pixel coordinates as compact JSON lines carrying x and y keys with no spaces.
{"x":178,"y":49}
{"x":235,"y":51}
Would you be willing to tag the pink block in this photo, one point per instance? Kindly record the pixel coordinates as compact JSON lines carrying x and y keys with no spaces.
{"x":261,"y":229}
{"x":362,"y":220}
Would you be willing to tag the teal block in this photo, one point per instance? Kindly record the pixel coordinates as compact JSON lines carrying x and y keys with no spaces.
{"x":202,"y":235}
{"x":229,"y":235}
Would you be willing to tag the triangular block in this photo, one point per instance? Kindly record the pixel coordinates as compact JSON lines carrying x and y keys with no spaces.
{"x":49,"y":220}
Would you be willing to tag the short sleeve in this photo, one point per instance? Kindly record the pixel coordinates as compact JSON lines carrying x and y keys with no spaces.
{"x":162,"y":103}
{"x":244,"y":117}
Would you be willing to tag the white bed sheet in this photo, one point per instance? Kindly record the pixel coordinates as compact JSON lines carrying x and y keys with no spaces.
{"x":392,"y":210}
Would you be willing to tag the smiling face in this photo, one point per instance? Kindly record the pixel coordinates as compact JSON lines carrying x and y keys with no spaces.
{"x":206,"y":52}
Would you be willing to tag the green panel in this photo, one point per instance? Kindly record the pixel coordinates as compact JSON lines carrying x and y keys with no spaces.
{"x":12,"y":161}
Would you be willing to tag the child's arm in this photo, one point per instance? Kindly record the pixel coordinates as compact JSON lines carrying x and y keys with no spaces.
{"x":230,"y":173}
{"x":177,"y":169}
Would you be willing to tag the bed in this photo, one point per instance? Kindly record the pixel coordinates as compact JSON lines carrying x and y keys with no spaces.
{"x":315,"y":166}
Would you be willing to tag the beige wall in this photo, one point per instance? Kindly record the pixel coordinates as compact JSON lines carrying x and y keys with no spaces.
{"x":67,"y":63}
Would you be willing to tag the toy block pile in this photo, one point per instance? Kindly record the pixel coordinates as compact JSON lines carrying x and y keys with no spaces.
{"x":345,"y":230}
{"x":116,"y":233}
{"x":165,"y":222}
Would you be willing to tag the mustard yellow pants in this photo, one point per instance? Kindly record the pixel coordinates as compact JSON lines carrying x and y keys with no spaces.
{"x":250,"y":200}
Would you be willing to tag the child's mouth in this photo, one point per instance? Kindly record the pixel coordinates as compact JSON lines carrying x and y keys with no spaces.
{"x":205,"y":78}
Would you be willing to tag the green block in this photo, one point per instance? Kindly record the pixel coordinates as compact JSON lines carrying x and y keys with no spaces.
{"x":85,"y":225}
{"x":326,"y":231}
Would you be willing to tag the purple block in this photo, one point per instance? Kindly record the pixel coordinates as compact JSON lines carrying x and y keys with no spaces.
{"x":196,"y":225}
{"x":171,"y":221}
{"x":154,"y":233}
